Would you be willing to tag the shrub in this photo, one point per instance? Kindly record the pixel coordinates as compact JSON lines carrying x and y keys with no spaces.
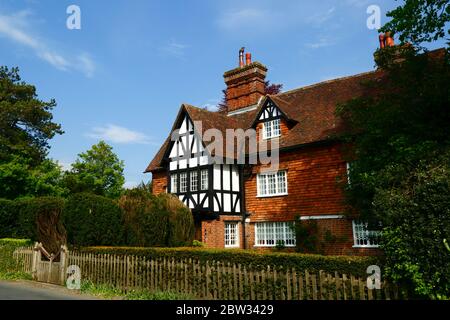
{"x":9,"y":266}
{"x":9,"y":226}
{"x":93,"y":220}
{"x":161,"y":220}
{"x":350,"y":265}
{"x":39,"y":219}
{"x":306,"y":233}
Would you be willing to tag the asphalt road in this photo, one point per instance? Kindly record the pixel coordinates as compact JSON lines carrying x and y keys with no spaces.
{"x":29,"y":290}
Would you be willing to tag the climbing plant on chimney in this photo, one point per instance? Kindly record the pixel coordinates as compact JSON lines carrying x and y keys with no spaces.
{"x":270,"y":88}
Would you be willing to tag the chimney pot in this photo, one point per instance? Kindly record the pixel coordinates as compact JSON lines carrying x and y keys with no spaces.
{"x":241,"y":57}
{"x":388,"y":40}
{"x":248,"y":58}
{"x":381,"y":38}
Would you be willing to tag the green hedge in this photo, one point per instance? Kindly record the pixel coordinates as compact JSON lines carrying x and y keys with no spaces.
{"x":93,"y":220}
{"x":9,"y":225}
{"x":350,"y":265}
{"x":156,"y":221}
{"x":10,"y":267}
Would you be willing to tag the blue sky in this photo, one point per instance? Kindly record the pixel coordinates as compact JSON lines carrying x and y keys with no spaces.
{"x":124,"y":75}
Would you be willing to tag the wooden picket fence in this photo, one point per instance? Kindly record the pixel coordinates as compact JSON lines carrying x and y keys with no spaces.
{"x":221,"y":280}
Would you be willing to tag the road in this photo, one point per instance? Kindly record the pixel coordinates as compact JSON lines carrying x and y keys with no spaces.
{"x":29,"y":290}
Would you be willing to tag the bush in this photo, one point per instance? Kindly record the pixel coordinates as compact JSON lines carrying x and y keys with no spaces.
{"x":350,"y":265}
{"x":9,"y":225}
{"x":417,"y":226}
{"x":161,"y":220}
{"x":93,"y":220}
{"x":9,"y":266}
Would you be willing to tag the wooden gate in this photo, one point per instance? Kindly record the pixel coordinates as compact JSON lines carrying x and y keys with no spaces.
{"x":49,"y":269}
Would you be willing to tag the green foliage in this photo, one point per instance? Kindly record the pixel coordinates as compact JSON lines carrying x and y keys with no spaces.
{"x":253,"y":260}
{"x":417,"y":215}
{"x":398,"y":133}
{"x":97,"y":171}
{"x":25,"y":128}
{"x":161,"y":220}
{"x":25,"y":121}
{"x":93,"y":220}
{"x":9,"y":266}
{"x":306,"y":236}
{"x":420,"y":20}
{"x":39,"y":219}
{"x":8,"y":219}
{"x":158,"y":295}
{"x":199,"y":244}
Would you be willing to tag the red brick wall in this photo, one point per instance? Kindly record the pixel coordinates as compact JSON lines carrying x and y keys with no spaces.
{"x":213,"y":231}
{"x":311,"y":182}
{"x":159,"y":182}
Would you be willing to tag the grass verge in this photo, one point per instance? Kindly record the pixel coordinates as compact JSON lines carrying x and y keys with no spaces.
{"x":109,"y":292}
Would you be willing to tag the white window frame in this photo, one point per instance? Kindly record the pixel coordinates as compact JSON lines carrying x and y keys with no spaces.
{"x":204,"y":179}
{"x":271,"y":129}
{"x":347,"y":166}
{"x":228,"y":227}
{"x":267,"y":234}
{"x":362,"y":234}
{"x":183,"y":182}
{"x":174,"y":183}
{"x":263,"y":184}
{"x":194,"y":181}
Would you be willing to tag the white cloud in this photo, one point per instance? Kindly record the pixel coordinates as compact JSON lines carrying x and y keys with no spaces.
{"x":240,"y":18}
{"x":174,"y":49}
{"x":117,"y":134}
{"x":65,"y":166}
{"x":320,"y":43}
{"x":320,"y":18}
{"x":16,"y":28}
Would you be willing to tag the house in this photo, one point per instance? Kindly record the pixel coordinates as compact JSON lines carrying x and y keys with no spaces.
{"x":246,"y":205}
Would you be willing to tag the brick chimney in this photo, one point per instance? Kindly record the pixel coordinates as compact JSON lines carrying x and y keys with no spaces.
{"x":245,"y":84}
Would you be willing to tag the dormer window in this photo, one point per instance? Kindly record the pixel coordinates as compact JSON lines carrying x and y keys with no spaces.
{"x":271,"y":129}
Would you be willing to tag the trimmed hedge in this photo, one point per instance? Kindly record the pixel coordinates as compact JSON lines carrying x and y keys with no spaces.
{"x":156,"y":221}
{"x":350,"y":265}
{"x":9,"y":226}
{"x":9,"y":267}
{"x":93,"y":220}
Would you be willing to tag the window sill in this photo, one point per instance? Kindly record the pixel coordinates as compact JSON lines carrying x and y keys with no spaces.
{"x":273,"y":195}
{"x":232,"y":247}
{"x":273,"y":246}
{"x":366,"y":246}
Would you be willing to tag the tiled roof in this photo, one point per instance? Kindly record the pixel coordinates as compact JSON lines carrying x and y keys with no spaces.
{"x":312,"y":109}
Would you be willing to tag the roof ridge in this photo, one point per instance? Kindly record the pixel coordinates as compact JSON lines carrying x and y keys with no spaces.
{"x":324,"y":82}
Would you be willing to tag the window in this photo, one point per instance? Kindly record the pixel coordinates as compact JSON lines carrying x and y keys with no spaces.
{"x":272,"y":184}
{"x":183,"y":182}
{"x":204,"y":179}
{"x":173,"y":183}
{"x":269,"y":234}
{"x":363,"y":237}
{"x":231,"y":234}
{"x":271,"y":129}
{"x":194,"y":180}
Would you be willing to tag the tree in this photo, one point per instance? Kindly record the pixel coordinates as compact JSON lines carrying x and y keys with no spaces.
{"x":397,"y":134}
{"x":25,"y":130}
{"x":420,"y":20}
{"x":25,"y":121}
{"x":271,"y":89}
{"x":97,"y":171}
